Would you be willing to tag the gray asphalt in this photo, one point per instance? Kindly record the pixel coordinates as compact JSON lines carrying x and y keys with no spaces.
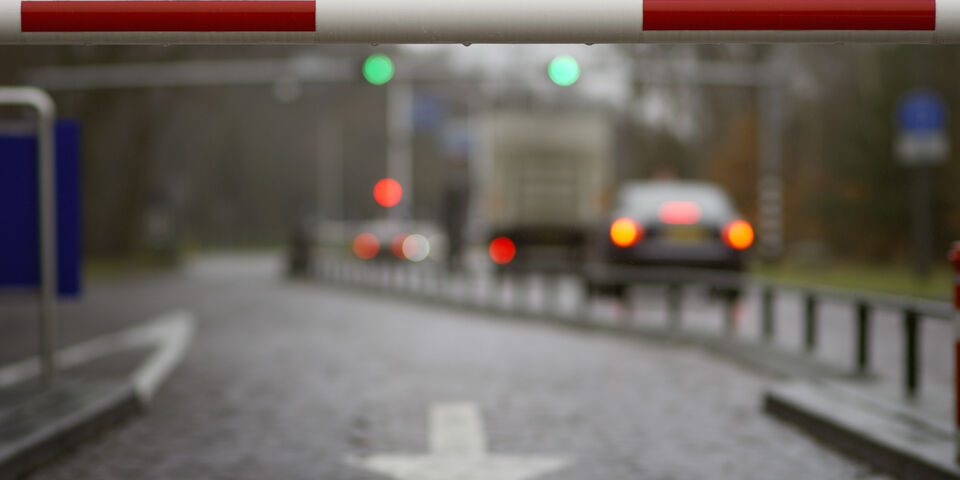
{"x":285,"y":380}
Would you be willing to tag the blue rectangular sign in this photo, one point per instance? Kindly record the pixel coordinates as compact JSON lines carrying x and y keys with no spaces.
{"x":19,"y":212}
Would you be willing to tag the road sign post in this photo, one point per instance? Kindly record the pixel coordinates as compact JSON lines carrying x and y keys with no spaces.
{"x":921,"y":145}
{"x":46,"y":175}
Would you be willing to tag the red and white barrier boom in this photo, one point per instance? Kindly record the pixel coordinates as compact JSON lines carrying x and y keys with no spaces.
{"x":954,"y":257}
{"x":486,"y":21}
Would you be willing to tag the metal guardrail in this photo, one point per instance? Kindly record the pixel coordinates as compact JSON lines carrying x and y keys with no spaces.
{"x":913,"y":311}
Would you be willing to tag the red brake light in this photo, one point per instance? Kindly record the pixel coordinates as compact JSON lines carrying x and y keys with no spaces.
{"x":502,"y":250}
{"x":396,"y":245}
{"x":679,"y":213}
{"x":738,"y":234}
{"x":366,"y":246}
{"x":625,"y":232}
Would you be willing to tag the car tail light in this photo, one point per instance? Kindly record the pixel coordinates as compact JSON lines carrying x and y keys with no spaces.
{"x":625,"y":232}
{"x":396,"y":245}
{"x":679,"y":213}
{"x":366,"y":246}
{"x":502,"y":250}
{"x":738,"y":234}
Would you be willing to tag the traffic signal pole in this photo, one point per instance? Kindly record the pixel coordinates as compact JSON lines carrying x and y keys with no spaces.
{"x":492,"y":21}
{"x":399,"y":112}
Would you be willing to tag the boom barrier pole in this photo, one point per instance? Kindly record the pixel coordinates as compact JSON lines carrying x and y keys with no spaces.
{"x":489,"y":21}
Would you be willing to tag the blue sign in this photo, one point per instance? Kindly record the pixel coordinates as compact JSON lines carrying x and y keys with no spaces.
{"x":19,"y":212}
{"x":427,"y":112}
{"x":922,"y":111}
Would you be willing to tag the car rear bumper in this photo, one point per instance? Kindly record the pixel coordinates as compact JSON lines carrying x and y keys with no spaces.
{"x":659,"y":262}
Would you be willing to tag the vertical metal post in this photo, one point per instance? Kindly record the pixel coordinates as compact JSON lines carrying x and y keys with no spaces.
{"x":586,"y":298}
{"x":330,"y":171}
{"x":729,"y":314}
{"x":863,"y":337}
{"x":767,"y":308}
{"x":810,"y":322}
{"x":551,"y":296}
{"x":47,"y":234}
{"x":770,"y":186}
{"x":921,"y":216}
{"x":954,"y":257}
{"x":674,"y":306}
{"x":911,"y":325}
{"x":400,"y":144}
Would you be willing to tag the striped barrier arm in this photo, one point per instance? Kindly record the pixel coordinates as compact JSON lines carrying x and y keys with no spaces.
{"x":489,"y":21}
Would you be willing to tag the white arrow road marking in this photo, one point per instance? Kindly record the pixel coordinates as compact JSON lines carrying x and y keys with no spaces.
{"x":458,"y":451}
{"x":170,"y":333}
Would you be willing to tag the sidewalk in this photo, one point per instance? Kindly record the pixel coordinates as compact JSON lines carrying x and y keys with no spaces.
{"x":894,"y":437}
{"x":872,"y":418}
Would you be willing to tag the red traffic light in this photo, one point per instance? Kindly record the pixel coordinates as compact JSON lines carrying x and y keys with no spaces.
{"x":387,"y":192}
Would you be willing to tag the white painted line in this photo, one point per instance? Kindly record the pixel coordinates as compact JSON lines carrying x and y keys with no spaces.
{"x":173,"y":334}
{"x":170,"y":333}
{"x":458,"y":451}
{"x":456,"y":430}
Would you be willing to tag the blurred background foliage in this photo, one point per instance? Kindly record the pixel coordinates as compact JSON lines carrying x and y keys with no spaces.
{"x":237,"y":166}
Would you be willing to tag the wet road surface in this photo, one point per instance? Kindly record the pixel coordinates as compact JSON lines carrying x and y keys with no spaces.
{"x":289,"y":380}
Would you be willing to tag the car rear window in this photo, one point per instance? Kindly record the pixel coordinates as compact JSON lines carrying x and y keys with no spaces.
{"x":644,"y":200}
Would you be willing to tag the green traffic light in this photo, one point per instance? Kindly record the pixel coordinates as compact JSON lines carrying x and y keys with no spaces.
{"x":564,"y":70}
{"x":378,"y":69}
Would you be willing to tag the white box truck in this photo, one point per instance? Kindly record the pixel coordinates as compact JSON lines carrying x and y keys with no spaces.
{"x":546,"y":180}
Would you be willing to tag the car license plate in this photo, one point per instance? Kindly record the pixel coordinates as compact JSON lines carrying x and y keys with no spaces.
{"x":686,"y":234}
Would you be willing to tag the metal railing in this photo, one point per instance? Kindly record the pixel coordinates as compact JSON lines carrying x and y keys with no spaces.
{"x":434,"y":282}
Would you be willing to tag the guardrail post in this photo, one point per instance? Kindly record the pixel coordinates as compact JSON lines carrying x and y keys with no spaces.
{"x":769,"y":326}
{"x":954,"y":257}
{"x":582,"y":312}
{"x":507,"y":290}
{"x":552,"y":294}
{"x":911,"y":325}
{"x":452,"y":284}
{"x":674,"y":305}
{"x":729,"y":319}
{"x":863,"y":337}
{"x":810,"y":322}
{"x":537,"y":283}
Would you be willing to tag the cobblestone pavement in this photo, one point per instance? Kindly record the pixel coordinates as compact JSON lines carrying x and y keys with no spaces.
{"x":285,"y":380}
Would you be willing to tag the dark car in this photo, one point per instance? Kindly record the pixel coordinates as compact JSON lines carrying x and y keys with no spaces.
{"x":395,"y":240}
{"x":667,"y":224}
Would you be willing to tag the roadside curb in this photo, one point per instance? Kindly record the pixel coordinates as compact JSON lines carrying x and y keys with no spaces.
{"x":907,"y":448}
{"x":46,"y":444}
{"x":109,"y":403}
